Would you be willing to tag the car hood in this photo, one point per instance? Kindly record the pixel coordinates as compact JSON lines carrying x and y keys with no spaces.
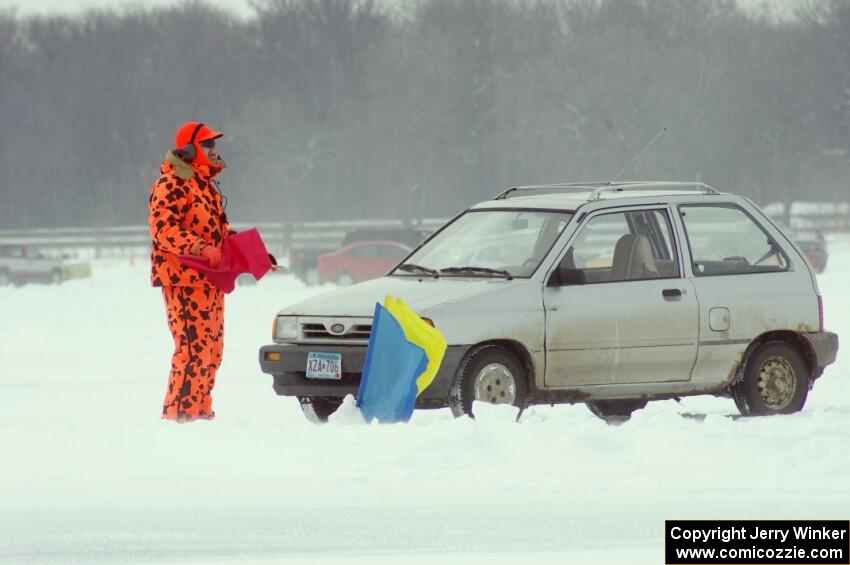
{"x":419,"y":293}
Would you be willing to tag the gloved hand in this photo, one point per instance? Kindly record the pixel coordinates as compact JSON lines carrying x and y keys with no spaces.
{"x":273,"y":260}
{"x":212,"y":254}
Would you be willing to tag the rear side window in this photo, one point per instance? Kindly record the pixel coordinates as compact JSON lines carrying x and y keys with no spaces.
{"x":725,"y":240}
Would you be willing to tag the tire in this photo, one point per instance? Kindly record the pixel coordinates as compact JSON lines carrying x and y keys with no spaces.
{"x":775,"y":381}
{"x":345,"y":279}
{"x":615,"y":412}
{"x":5,"y":279}
{"x":56,"y":277}
{"x":317,"y":409}
{"x":491,"y":374}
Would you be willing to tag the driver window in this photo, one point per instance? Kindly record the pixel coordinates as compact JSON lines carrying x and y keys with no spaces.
{"x":624,"y":246}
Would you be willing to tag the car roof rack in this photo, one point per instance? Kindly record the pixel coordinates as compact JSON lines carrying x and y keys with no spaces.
{"x":597,"y":189}
{"x":556,"y":187}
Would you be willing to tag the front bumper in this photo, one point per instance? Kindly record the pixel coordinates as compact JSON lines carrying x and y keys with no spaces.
{"x":290,"y":372}
{"x":825,"y":346}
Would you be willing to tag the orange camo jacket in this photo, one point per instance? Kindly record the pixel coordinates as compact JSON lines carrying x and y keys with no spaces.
{"x":185,"y":209}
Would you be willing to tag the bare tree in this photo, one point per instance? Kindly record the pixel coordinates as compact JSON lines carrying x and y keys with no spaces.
{"x":338,"y":109}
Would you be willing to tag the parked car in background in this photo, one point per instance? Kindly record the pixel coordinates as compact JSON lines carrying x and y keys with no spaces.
{"x":361,"y":261}
{"x":608,"y":294}
{"x":813,"y":245}
{"x":20,"y":264}
{"x":308,"y":244}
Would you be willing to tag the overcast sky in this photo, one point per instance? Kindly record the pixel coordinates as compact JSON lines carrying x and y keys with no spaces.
{"x":242,"y":7}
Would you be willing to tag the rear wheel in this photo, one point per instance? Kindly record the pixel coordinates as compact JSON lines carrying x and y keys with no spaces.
{"x":318,"y":409}
{"x":615,"y":411}
{"x":5,"y":280}
{"x":775,"y":381}
{"x":489,"y":374}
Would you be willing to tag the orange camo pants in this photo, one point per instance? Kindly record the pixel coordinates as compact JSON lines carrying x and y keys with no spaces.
{"x":196,"y":320}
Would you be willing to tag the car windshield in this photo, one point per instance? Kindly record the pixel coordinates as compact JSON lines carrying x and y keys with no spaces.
{"x":490,"y":243}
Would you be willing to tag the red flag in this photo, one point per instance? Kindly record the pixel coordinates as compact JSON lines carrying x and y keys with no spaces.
{"x":243,"y":252}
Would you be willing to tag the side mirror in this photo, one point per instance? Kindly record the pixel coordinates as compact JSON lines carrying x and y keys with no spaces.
{"x":563,"y":276}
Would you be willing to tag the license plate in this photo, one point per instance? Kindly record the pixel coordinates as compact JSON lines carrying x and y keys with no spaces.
{"x":325,"y":366}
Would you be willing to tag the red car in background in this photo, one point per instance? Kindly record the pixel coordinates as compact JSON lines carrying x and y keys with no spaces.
{"x":361,"y":261}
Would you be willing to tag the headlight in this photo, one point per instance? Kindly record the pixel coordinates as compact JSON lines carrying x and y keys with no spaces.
{"x":285,"y":327}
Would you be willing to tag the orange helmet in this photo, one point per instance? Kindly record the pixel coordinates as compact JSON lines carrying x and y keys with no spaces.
{"x":188,"y":138}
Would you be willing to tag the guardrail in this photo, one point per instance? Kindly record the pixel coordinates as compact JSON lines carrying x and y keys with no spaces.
{"x":825,"y":217}
{"x":280,"y":237}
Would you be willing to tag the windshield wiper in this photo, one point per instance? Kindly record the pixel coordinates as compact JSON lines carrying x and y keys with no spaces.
{"x":410,"y":267}
{"x":482,"y":270}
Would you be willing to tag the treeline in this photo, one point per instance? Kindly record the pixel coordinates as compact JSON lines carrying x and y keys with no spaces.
{"x":345,"y":109}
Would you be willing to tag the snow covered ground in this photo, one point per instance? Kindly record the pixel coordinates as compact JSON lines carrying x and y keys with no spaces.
{"x":90,"y":474}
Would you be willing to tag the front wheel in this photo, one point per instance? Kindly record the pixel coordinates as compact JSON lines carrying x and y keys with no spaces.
{"x":56,"y":276}
{"x":489,"y":374}
{"x":775,"y":381}
{"x":318,"y":409}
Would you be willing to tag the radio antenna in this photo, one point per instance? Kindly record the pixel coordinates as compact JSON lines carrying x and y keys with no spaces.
{"x":635,"y":158}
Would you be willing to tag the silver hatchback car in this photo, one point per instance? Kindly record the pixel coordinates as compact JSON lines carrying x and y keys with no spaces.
{"x":610,"y":294}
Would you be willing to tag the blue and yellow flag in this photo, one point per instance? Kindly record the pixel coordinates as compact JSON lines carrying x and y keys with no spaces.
{"x":402,"y":359}
{"x":421,"y":333}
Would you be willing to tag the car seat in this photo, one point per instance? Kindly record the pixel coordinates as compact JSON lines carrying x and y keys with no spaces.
{"x":632,"y":259}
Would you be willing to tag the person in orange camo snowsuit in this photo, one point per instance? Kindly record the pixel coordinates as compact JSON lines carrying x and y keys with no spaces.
{"x":187,"y":218}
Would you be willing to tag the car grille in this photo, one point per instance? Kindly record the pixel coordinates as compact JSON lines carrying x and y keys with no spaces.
{"x":320,"y":331}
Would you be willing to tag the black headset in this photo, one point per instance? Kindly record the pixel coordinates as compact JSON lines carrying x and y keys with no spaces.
{"x":189,"y":150}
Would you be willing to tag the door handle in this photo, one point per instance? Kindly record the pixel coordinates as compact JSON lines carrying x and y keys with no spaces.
{"x":671,"y":292}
